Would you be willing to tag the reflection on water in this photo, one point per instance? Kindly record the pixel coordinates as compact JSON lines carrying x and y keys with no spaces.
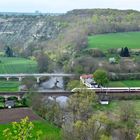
{"x":52,"y":83}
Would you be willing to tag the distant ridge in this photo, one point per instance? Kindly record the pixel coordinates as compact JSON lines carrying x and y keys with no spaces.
{"x":29,"y":14}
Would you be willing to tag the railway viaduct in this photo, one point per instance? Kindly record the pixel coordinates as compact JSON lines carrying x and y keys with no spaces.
{"x":55,"y":93}
{"x":20,"y":94}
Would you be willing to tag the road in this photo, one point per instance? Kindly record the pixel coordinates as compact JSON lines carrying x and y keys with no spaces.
{"x":38,"y":75}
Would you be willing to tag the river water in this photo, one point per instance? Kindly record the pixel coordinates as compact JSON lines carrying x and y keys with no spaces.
{"x":54,"y":83}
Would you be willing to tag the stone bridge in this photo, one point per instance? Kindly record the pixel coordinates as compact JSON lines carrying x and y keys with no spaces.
{"x":20,"y":94}
{"x":36,"y":75}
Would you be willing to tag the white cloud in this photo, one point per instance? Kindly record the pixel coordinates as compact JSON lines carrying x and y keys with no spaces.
{"x":65,"y":5}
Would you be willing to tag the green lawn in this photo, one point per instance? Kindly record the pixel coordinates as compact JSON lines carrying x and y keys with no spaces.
{"x":115,"y":40}
{"x":125,"y":83}
{"x":17,"y":65}
{"x":9,"y":85}
{"x":50,"y":131}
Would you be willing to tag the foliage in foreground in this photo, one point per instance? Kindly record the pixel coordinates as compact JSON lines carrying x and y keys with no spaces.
{"x":22,"y":130}
{"x":88,"y":123}
{"x":85,"y":123}
{"x":82,"y":118}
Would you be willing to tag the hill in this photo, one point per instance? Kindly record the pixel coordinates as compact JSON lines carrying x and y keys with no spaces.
{"x":63,"y":37}
{"x":115,"y":40}
{"x":24,"y":31}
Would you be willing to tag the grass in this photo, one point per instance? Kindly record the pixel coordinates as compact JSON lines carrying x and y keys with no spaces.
{"x":115,"y":40}
{"x":17,"y":65}
{"x":9,"y":85}
{"x":125,"y":83}
{"x":49,"y":130}
{"x":115,"y":106}
{"x":2,"y":104}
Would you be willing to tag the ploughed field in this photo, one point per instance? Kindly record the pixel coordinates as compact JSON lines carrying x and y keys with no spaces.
{"x":10,"y":65}
{"x":115,"y":40}
{"x":15,"y":114}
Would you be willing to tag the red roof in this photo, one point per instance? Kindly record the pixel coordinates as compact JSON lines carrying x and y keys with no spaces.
{"x":87,"y":76}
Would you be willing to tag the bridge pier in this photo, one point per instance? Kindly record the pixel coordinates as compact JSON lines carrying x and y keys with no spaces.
{"x":38,"y":79}
{"x":19,"y":79}
{"x":7,"y":78}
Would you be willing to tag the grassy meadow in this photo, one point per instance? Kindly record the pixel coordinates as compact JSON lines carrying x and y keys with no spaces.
{"x":115,"y":40}
{"x":17,"y":65}
{"x":115,"y":106}
{"x":125,"y":83}
{"x":49,"y":131}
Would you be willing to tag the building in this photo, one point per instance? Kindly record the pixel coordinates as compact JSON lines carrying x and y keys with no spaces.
{"x":9,"y":103}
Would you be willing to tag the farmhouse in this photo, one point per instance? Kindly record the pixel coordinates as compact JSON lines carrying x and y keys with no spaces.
{"x":9,"y":103}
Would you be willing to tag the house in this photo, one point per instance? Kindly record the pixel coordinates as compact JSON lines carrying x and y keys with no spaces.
{"x":89,"y":76}
{"x":104,"y":102}
{"x":9,"y":103}
{"x":112,"y":60}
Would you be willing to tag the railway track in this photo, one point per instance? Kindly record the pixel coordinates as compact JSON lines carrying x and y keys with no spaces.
{"x":52,"y":93}
{"x":109,"y":91}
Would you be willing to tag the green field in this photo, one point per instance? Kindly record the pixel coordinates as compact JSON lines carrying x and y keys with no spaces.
{"x":115,"y":106}
{"x":115,"y":40}
{"x":125,"y":83}
{"x":17,"y":65}
{"x":50,"y":131}
{"x":9,"y":85}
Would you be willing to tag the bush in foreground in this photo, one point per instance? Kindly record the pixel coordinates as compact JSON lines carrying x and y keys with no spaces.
{"x":22,"y":130}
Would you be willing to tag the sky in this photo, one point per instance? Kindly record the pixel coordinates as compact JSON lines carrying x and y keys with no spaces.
{"x":62,"y":6}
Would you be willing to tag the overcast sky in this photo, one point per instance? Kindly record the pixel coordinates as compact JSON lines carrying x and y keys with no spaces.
{"x":61,"y":6}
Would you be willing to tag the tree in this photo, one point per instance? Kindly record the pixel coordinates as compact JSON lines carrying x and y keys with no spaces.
{"x":9,"y":52}
{"x":125,"y":52}
{"x":54,"y":113}
{"x":138,"y":137}
{"x":101,"y":77}
{"x":128,"y":121}
{"x":47,"y":108}
{"x":37,"y":104}
{"x":43,"y":62}
{"x":22,"y":130}
{"x":81,"y":104}
{"x":29,"y":82}
{"x":84,"y":123}
{"x":73,"y":84}
{"x":122,"y":52}
{"x":93,"y":128}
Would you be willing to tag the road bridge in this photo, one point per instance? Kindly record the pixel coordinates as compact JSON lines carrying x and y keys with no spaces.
{"x":36,"y":75}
